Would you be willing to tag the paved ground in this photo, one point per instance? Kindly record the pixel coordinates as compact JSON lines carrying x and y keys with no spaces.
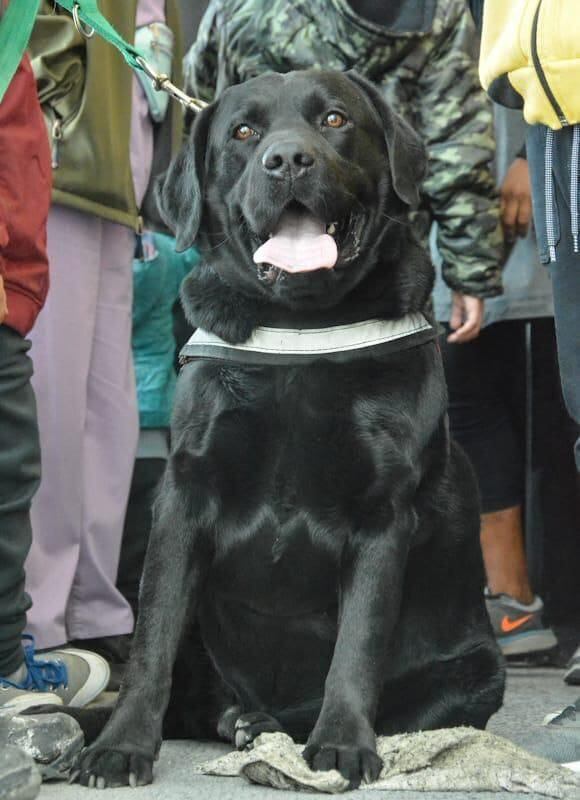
{"x":531,"y":694}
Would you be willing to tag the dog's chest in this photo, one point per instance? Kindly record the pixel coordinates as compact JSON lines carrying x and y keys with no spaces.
{"x":291,"y":467}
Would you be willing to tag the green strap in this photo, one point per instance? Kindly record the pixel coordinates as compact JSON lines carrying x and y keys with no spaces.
{"x":16,"y":24}
{"x":90,"y":14}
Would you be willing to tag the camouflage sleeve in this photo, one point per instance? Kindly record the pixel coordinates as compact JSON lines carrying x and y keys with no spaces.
{"x":206,"y":65}
{"x":455,"y":120}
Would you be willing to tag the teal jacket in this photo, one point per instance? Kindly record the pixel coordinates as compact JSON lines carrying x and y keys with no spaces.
{"x":156,"y":288}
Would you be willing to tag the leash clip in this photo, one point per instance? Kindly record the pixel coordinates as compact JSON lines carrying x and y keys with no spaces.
{"x":85,"y":30}
{"x":161,"y":83}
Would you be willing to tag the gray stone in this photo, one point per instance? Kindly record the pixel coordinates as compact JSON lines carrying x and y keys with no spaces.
{"x":20,"y":778}
{"x":52,"y":740}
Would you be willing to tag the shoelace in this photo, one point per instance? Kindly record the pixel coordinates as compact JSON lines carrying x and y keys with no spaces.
{"x":42,"y":675}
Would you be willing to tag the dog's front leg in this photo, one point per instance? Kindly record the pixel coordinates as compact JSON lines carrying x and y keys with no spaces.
{"x":370,"y":595}
{"x":175,"y":567}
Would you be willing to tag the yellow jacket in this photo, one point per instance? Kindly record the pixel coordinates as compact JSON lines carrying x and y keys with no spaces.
{"x":530,"y":58}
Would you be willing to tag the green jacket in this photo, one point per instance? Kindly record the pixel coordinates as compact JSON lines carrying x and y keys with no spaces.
{"x":426,"y":67}
{"x":85,"y":89}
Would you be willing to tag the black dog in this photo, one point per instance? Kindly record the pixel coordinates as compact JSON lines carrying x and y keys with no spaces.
{"x":314,"y":565}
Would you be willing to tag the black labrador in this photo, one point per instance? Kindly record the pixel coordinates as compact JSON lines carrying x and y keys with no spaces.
{"x":314,"y":565}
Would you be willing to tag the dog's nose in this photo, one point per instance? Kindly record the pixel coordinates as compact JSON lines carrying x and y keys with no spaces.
{"x":287,"y":158}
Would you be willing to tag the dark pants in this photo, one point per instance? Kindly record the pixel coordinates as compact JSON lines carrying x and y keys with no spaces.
{"x":565,"y":270}
{"x":487,"y":410}
{"x":19,"y":479}
{"x":146,"y":476}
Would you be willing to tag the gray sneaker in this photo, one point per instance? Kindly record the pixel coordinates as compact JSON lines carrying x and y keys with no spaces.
{"x":19,"y":776}
{"x":572,"y":675}
{"x":518,"y":628}
{"x":67,"y":677}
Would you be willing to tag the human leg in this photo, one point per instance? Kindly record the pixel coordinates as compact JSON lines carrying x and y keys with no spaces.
{"x":61,"y":350}
{"x":481,"y":411}
{"x":19,"y":478}
{"x":552,"y":156}
{"x":24,"y":679}
{"x":96,"y":608}
{"x":554,"y":159}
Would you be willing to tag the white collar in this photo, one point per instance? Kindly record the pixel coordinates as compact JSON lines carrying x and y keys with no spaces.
{"x":269,"y":345}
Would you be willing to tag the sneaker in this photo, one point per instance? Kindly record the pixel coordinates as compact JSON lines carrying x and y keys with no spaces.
{"x":567,"y":721}
{"x":67,"y":677}
{"x":518,"y":628}
{"x":115,"y":650}
{"x":572,"y":674}
{"x":567,"y":717}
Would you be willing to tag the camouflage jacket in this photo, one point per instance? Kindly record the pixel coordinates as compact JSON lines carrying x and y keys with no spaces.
{"x":424,"y":64}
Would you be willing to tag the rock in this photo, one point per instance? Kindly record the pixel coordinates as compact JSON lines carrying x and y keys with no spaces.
{"x":20,"y":778}
{"x":52,"y":740}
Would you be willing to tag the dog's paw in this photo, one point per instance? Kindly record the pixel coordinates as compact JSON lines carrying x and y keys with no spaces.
{"x":356,"y":764}
{"x":249,"y":726}
{"x":108,"y":767}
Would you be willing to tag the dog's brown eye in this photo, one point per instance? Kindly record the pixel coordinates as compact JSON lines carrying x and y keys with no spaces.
{"x":244,"y":132}
{"x":335,"y":120}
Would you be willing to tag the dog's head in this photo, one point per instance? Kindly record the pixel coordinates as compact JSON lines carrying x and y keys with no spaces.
{"x":290,"y":183}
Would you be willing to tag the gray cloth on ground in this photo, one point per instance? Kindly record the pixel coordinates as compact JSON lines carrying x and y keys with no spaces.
{"x":454,"y":759}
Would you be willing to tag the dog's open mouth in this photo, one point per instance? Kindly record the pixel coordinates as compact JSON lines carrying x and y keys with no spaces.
{"x":301,"y":242}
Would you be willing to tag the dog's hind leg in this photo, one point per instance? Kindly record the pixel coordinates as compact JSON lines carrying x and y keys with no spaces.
{"x":464,"y":691}
{"x":241,"y":729}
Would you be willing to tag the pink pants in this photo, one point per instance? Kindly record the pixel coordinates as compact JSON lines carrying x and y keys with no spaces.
{"x":84,"y":383}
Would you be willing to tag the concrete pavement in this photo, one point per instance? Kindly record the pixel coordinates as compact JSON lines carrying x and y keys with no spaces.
{"x":531,"y":694}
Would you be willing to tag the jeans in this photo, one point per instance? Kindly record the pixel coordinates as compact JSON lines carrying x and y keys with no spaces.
{"x":554,"y":224}
{"x":19,"y":478}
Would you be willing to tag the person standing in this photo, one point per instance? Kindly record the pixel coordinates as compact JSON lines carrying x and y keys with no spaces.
{"x":530,"y":60}
{"x":58,"y":677}
{"x":102,"y":134}
{"x":505,"y":406}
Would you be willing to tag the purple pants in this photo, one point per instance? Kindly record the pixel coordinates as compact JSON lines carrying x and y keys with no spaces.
{"x":87,"y":411}
{"x":88,"y":420}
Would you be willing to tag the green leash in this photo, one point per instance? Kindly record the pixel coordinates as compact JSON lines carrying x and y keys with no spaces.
{"x":16,"y":23}
{"x":16,"y":26}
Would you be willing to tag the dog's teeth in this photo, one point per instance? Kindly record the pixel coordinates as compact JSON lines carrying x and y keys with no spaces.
{"x":331,"y":229}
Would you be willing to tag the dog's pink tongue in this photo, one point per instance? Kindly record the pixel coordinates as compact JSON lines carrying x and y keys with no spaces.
{"x":300,"y":244}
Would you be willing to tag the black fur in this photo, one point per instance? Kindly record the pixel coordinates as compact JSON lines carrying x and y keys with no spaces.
{"x":314,"y":564}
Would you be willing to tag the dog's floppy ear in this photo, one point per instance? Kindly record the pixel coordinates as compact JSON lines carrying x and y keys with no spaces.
{"x":407,"y":154}
{"x":179,"y":192}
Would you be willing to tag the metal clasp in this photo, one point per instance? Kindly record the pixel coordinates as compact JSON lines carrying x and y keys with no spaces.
{"x":161,"y":83}
{"x":85,"y":30}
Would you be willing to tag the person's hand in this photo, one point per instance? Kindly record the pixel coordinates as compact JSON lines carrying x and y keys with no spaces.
{"x":516,"y":200}
{"x":466,"y":318}
{"x":3,"y":302}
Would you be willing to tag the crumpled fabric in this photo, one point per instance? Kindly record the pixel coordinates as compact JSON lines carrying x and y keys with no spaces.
{"x":454,"y":759}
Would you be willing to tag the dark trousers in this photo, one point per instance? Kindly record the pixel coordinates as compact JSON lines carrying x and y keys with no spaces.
{"x":19,"y":479}
{"x":146,"y":475}
{"x":487,"y":411}
{"x":565,"y":270}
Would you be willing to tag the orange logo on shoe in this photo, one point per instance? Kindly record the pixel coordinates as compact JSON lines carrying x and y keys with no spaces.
{"x":508,"y":625}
